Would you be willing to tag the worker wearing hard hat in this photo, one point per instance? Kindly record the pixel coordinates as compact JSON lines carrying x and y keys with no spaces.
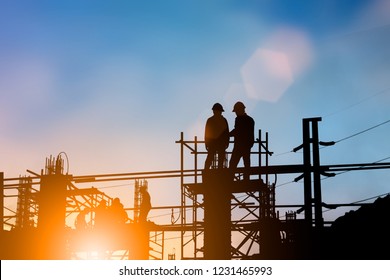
{"x":145,"y":204}
{"x":244,"y":137}
{"x":216,"y":137}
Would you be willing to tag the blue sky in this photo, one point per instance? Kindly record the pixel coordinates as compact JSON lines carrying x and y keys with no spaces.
{"x":113,"y":84}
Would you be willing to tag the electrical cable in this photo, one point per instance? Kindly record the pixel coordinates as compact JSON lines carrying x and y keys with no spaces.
{"x":360,"y":201}
{"x":363,"y":131}
{"x":357,"y":103}
{"x":115,"y":186}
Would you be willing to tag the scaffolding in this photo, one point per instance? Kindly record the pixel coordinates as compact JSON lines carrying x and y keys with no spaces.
{"x":139,"y":183}
{"x":27,"y":206}
{"x":250,"y":202}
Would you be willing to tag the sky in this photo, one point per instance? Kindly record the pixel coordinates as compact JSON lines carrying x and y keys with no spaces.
{"x":114,"y":83}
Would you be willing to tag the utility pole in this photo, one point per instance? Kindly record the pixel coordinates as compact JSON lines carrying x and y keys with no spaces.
{"x":311,"y":164}
{"x":318,"y":218}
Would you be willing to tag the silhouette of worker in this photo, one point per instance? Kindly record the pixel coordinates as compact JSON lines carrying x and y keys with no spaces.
{"x":101,"y":215}
{"x":80,"y":222}
{"x":244,"y":137}
{"x":145,"y":205}
{"x":118,"y":214}
{"x":216,"y":136}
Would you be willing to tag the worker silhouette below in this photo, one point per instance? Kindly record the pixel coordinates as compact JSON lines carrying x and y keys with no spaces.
{"x":80,"y":222}
{"x":145,"y":205}
{"x":102,"y":218}
{"x":216,"y":137}
{"x":118,"y":215}
{"x":244,"y":137}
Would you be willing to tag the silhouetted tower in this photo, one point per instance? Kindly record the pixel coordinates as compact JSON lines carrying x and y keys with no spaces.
{"x":138,"y":197}
{"x":26,"y":205}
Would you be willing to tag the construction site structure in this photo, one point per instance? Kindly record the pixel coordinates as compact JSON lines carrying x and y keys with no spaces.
{"x":45,"y":201}
{"x":38,"y":230}
{"x":226,"y":211}
{"x":222,"y":215}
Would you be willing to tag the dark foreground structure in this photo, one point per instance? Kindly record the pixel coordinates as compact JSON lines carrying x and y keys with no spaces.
{"x":361,"y":234}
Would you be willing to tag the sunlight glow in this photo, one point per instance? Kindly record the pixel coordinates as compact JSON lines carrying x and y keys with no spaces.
{"x":267,"y":75}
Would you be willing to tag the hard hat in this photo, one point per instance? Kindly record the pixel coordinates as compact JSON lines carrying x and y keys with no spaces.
{"x":238,"y":106}
{"x":218,"y":107}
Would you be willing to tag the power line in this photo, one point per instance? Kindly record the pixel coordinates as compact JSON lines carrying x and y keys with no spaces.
{"x":339,"y":173}
{"x":286,"y":183}
{"x":360,"y":201}
{"x":342,"y":172}
{"x":115,"y":186}
{"x":361,"y":132}
{"x":345,"y":138}
{"x":281,"y":154}
{"x":357,"y":103}
{"x":377,"y":196}
{"x":346,"y":108}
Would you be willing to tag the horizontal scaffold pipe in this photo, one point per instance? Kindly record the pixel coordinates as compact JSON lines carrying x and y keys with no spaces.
{"x":136,"y":176}
{"x":115,"y":177}
{"x":274,"y":169}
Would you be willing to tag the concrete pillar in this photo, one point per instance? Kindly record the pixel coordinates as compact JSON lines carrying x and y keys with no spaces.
{"x":51,"y":217}
{"x":217,"y":214}
{"x":139,"y":244}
